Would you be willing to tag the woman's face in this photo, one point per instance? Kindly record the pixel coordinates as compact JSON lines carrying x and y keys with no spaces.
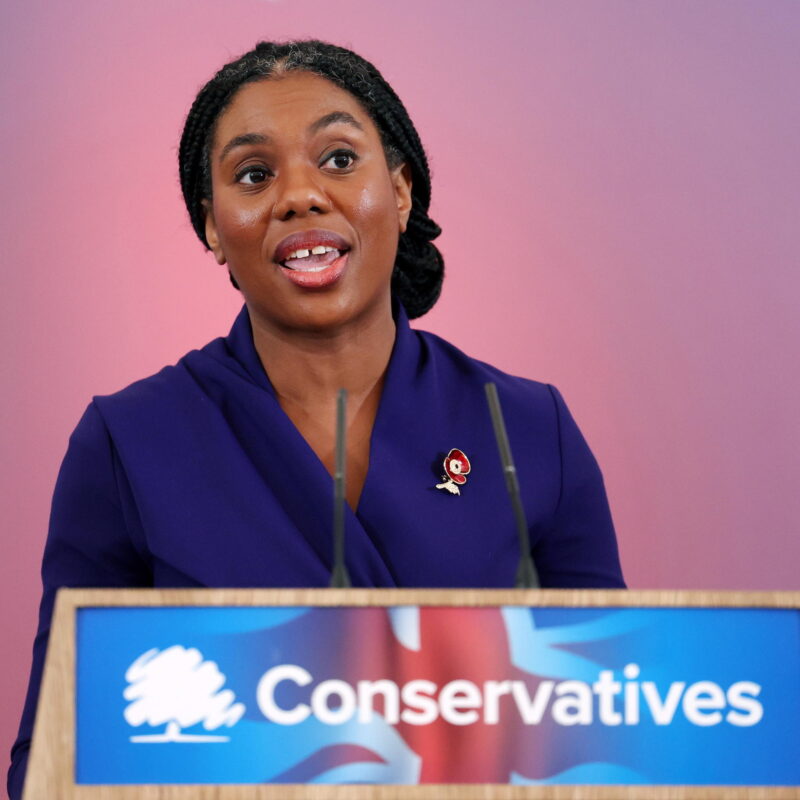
{"x":305,"y":210}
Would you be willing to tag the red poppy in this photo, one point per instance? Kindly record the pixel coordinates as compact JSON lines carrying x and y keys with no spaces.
{"x":457,"y":466}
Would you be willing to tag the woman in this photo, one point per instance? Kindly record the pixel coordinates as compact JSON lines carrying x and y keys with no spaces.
{"x":303,"y":174}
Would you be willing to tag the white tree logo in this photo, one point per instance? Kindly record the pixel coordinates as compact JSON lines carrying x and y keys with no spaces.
{"x":177,"y":688}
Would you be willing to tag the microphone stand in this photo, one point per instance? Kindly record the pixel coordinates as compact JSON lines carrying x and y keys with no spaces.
{"x":527,"y":576}
{"x":340,"y":579}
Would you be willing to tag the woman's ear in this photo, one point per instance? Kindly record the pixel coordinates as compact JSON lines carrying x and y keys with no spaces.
{"x":212,"y":237}
{"x":401,"y":178}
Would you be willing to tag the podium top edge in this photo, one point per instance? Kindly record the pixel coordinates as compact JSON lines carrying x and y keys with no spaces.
{"x":428,"y":597}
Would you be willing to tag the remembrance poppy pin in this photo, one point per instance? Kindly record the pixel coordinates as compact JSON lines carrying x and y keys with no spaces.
{"x":456,"y":467}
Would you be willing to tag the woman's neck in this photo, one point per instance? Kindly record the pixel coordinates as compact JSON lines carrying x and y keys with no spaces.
{"x":307,"y":370}
{"x":311,"y":366}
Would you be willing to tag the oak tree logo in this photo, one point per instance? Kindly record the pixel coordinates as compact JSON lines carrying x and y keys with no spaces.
{"x":177,"y":688}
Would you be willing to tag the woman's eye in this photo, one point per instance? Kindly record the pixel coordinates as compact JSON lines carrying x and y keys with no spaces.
{"x":341,"y":159}
{"x":252,"y":175}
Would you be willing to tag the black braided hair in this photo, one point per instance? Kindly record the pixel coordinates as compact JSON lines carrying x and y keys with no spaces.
{"x":419,"y":267}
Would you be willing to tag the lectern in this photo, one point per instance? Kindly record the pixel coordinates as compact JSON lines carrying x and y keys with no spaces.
{"x":359,"y":693}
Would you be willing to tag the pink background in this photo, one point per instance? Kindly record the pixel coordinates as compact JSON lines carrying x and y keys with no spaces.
{"x":619,"y":188}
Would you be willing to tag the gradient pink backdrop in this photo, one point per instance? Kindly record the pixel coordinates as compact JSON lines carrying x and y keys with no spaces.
{"x":619,"y":188}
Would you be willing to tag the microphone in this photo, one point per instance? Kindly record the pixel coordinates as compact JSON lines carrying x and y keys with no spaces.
{"x":527,"y":577}
{"x":340,"y":579}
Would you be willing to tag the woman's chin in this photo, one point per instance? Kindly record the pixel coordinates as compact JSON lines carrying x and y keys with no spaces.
{"x":321,"y":301}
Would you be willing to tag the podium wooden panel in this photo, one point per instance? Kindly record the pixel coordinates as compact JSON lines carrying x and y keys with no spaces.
{"x":51,"y":769}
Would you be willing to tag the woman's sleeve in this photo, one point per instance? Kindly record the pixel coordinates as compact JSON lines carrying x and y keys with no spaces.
{"x":88,"y":545}
{"x":580,"y":548}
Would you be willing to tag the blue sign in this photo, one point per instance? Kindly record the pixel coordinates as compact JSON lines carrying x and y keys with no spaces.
{"x":408,"y":695}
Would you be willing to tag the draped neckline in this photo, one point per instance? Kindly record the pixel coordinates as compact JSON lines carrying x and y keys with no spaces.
{"x":399,"y":377}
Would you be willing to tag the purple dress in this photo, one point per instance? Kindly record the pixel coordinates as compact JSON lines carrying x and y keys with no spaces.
{"x":195,"y":477}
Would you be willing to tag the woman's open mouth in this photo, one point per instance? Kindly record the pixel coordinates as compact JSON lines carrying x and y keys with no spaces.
{"x":316,"y":270}
{"x":316,"y":267}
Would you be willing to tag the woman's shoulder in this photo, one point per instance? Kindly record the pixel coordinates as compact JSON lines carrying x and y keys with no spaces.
{"x":205,"y":374}
{"x":460,"y":367}
{"x":177,"y":389}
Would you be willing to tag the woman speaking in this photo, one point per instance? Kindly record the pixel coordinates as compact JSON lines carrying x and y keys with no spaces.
{"x":305,"y":177}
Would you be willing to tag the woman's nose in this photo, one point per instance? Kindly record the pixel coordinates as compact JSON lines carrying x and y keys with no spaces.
{"x":299,"y":194}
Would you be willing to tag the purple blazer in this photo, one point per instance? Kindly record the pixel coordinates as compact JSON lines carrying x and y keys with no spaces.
{"x":195,"y":477}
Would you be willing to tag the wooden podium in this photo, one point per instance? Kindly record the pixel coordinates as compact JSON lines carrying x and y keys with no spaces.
{"x":530,"y":656}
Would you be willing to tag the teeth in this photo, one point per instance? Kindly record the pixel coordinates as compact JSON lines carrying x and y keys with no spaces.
{"x":317,"y":251}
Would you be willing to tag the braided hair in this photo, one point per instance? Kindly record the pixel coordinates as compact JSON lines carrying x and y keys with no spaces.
{"x":419,"y":267}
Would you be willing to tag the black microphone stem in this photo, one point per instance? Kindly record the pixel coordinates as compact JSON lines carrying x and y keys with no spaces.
{"x":527,"y":577}
{"x":339,"y":577}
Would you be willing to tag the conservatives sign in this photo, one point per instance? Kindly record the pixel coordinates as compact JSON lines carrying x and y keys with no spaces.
{"x":438,"y":695}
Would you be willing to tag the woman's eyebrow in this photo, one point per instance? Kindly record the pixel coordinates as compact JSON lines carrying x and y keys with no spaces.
{"x":333,"y":117}
{"x":243,"y":139}
{"x":260,"y":138}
